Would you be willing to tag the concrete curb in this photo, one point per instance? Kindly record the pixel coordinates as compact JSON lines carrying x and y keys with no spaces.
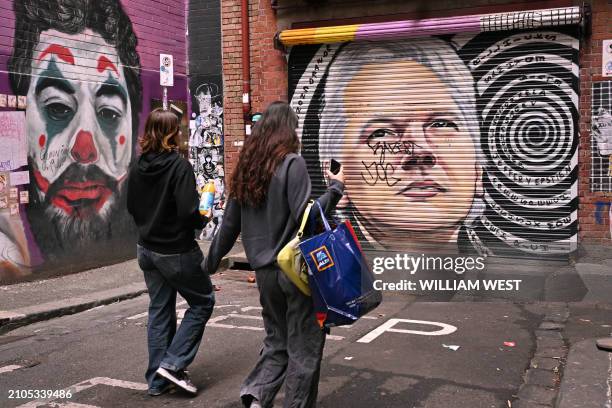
{"x":12,"y":319}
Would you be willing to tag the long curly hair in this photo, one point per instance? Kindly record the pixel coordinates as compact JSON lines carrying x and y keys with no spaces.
{"x":272,"y":139}
{"x":104,"y":17}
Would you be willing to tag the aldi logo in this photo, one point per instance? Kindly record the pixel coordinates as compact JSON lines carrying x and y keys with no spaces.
{"x":322,"y":258}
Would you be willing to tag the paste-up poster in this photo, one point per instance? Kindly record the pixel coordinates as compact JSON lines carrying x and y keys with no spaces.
{"x":13,"y":147}
{"x":601,"y":137}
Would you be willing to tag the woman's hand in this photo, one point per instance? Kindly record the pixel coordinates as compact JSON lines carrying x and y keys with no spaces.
{"x":338,"y":177}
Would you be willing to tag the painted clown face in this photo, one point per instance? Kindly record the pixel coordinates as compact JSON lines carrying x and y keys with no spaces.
{"x":79,"y":124}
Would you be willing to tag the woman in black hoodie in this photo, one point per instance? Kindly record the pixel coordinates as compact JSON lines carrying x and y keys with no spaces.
{"x":269,"y":190}
{"x":163,"y":200}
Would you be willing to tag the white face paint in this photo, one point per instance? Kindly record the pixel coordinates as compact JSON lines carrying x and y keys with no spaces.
{"x":602,"y":130}
{"x":79,"y":122}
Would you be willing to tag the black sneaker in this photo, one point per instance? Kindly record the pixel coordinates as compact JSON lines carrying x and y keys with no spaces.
{"x":156,"y":392}
{"x":179,"y":378}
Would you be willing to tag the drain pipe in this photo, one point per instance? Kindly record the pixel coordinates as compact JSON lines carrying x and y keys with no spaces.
{"x":246,"y":64}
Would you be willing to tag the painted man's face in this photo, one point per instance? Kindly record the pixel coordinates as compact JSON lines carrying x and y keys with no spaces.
{"x":79,"y":124}
{"x":409,"y":152}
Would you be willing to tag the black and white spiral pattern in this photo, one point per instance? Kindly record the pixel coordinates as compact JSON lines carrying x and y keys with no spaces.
{"x":527,"y":90}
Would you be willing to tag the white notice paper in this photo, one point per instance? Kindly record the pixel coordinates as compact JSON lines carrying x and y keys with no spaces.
{"x":19,"y":178}
{"x":13,"y":143}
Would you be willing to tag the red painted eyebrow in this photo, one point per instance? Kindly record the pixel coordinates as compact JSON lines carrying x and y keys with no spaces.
{"x":105,"y":63}
{"x":62,"y":52}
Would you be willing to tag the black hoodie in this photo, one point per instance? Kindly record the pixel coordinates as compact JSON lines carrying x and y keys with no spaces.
{"x":163,"y":200}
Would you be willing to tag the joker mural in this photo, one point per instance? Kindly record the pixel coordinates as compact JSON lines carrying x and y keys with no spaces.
{"x":77,"y":63}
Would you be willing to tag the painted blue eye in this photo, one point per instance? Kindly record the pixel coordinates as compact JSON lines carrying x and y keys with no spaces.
{"x":382,"y":133}
{"x":109,"y":115}
{"x":59,"y":112}
{"x":442,"y":123}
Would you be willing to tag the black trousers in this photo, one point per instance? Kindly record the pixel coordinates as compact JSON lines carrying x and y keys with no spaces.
{"x":293,"y":347}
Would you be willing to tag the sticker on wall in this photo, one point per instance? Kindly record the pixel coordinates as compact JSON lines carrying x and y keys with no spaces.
{"x":14,"y":209}
{"x":24,"y":197}
{"x":12,"y":101}
{"x":3,"y":101}
{"x":21,"y":102}
{"x":13,"y":193}
{"x":166,"y":70}
{"x":19,"y":178}
{"x":606,"y":58}
{"x":4,"y":182}
{"x":601,"y":136}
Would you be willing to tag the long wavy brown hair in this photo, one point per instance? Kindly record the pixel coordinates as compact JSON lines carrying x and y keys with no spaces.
{"x":273,"y":137}
{"x":161,"y":133}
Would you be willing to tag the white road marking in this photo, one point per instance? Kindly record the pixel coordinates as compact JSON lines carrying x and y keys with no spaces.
{"x":388,"y":327}
{"x":84,"y":385}
{"x":247,"y":308}
{"x":9,"y":368}
{"x":138,"y":316}
{"x":214,"y":322}
{"x":334,"y":337}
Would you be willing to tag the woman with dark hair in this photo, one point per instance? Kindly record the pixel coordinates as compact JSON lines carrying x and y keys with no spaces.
{"x":269,"y":190}
{"x":163,"y":200}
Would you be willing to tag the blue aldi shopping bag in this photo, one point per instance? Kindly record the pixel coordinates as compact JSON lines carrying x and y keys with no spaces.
{"x":340,"y":280}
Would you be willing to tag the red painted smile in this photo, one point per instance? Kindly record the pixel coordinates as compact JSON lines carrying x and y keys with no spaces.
{"x":421,"y":190}
{"x":81,"y":198}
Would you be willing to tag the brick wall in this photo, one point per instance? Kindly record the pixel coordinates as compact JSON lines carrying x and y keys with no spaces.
{"x":268,"y":68}
{"x":590,"y":71}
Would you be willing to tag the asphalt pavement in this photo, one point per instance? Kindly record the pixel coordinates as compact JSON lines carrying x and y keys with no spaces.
{"x":85,"y":334}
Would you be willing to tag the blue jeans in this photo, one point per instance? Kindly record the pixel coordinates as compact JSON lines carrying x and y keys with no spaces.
{"x":165,"y":275}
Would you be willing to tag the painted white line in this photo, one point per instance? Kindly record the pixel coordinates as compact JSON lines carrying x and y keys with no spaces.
{"x":84,"y":385}
{"x":222,"y":306}
{"x":369,"y":317}
{"x":138,"y":316}
{"x":247,"y":308}
{"x":388,"y":327}
{"x":73,"y":405}
{"x":9,"y":368}
{"x":333,"y":337}
{"x":214,"y":322}
{"x":246,"y":316}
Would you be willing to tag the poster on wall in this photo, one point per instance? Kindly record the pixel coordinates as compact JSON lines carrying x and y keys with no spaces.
{"x":601,"y":136}
{"x":13,"y":135}
{"x":606,"y":58}
{"x":206,"y":144}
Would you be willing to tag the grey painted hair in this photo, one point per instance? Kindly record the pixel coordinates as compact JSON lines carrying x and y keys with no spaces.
{"x":430,"y":52}
{"x":434,"y":53}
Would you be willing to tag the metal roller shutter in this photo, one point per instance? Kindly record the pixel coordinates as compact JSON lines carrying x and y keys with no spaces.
{"x":464,"y":141}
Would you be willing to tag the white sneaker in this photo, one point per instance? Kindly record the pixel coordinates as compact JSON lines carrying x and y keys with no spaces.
{"x":180,"y":378}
